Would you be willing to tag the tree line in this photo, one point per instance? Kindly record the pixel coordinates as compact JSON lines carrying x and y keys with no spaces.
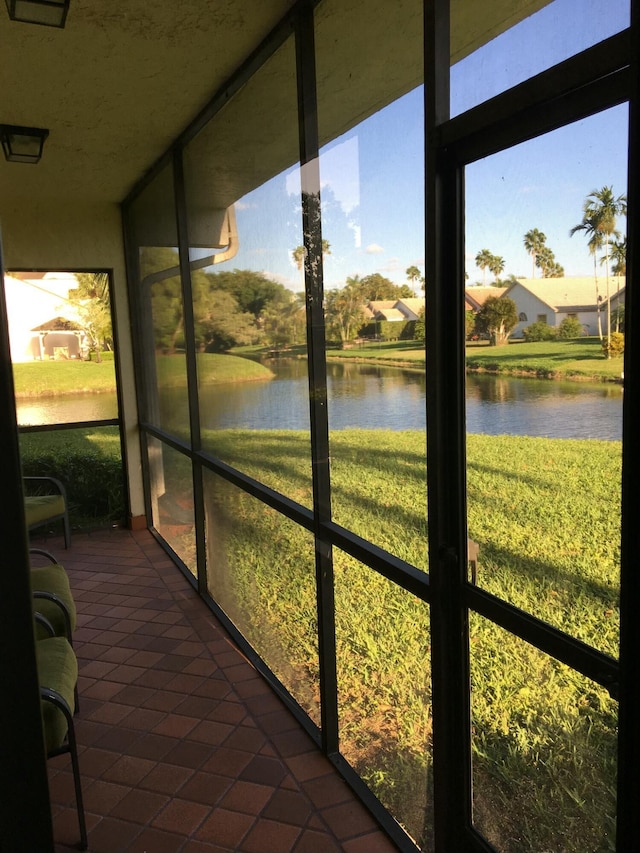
{"x":242,"y":307}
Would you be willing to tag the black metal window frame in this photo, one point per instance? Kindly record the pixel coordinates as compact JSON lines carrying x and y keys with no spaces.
{"x":599,"y":77}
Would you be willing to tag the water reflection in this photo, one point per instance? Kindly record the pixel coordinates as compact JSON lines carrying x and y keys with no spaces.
{"x":371,"y":397}
{"x":66,"y":409}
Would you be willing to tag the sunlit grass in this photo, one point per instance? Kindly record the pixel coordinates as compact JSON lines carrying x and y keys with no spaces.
{"x":47,"y":378}
{"x":578,"y":359}
{"x":546,"y":515}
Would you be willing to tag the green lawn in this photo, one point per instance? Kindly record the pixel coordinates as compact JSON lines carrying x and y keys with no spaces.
{"x":578,"y":359}
{"x":546,"y":515}
{"x":46,"y":378}
{"x":581,"y":359}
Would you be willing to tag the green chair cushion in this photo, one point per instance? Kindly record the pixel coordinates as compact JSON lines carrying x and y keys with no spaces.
{"x":41,"y":508}
{"x":53,"y":578}
{"x":58,"y":670}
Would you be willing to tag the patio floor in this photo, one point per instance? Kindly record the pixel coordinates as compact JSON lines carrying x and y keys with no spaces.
{"x":184,"y":748}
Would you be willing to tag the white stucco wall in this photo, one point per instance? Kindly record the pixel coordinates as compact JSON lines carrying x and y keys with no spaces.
{"x":55,"y":236}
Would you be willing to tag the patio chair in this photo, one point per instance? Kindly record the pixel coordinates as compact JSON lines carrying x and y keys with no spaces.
{"x":45,"y":502}
{"x":58,"y":678}
{"x":52,"y":596}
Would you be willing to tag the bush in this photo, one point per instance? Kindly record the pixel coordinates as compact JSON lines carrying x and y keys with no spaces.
{"x":614,"y":348}
{"x":570,"y":327}
{"x":93,"y":478}
{"x":540,"y":331}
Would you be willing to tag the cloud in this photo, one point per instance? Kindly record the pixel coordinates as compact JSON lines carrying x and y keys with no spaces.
{"x":244,"y":205}
{"x":374,"y":249}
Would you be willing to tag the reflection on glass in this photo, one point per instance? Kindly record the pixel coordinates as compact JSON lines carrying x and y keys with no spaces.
{"x":384,"y":692}
{"x":172,"y":500}
{"x":491,"y":52}
{"x":372,"y":202}
{"x":544,"y":505}
{"x":152,"y":217}
{"x":544,"y":749}
{"x":245,"y":231}
{"x":261,"y":571}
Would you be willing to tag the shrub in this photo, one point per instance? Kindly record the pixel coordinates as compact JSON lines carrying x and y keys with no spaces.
{"x":539,"y":331}
{"x":570,"y":327}
{"x":614,"y":347}
{"x":93,"y":478}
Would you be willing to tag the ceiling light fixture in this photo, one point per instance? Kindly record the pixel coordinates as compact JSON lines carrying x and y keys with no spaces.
{"x":22,"y":144}
{"x":51,"y":13}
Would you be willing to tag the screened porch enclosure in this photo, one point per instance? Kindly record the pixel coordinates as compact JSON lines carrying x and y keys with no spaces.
{"x":449,"y":613}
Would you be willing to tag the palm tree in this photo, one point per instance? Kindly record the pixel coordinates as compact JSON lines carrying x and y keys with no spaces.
{"x":497,"y":265}
{"x":618,"y":254}
{"x":299,"y":253}
{"x":413,"y":274}
{"x":534,"y":241}
{"x":594,"y":243}
{"x":601,"y":209}
{"x":483,"y":262}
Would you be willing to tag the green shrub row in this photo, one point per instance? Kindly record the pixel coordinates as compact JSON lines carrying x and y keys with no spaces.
{"x":91,"y":471}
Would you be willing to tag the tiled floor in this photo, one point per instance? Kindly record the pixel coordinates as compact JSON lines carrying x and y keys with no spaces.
{"x":184,"y":748}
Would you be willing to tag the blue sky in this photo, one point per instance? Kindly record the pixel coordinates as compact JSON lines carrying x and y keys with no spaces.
{"x":372,"y":178}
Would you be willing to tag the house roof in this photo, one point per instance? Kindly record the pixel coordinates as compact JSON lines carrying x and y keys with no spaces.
{"x":570,"y":293}
{"x":381,"y":304}
{"x":413,"y":306}
{"x":393,"y":314}
{"x":475,"y":297}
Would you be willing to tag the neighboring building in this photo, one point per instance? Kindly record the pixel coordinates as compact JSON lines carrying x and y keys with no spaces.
{"x":396,"y":310}
{"x":475,"y":297}
{"x":38,"y":308}
{"x":551,"y":300}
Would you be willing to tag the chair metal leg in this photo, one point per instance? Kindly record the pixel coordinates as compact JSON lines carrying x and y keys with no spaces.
{"x":71,"y":747}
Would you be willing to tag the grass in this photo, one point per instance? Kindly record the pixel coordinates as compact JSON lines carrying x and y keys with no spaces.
{"x":47,"y":378}
{"x":546,"y":515}
{"x":580,"y":359}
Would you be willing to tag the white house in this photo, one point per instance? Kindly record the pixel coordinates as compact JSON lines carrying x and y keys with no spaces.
{"x":550,"y":300}
{"x":396,"y":310}
{"x":34,"y":299}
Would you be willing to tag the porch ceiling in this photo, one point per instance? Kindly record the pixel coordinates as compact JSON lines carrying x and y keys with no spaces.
{"x":118,"y":84}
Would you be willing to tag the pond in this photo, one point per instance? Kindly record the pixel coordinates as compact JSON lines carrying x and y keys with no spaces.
{"x":372,"y":397}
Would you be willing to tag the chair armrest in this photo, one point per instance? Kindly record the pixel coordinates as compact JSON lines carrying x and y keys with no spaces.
{"x":42,"y":620}
{"x":56,"y":484}
{"x":51,"y":596}
{"x":41,"y":552}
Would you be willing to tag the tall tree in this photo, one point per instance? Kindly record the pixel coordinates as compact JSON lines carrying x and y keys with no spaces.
{"x":534,"y":241}
{"x":91,"y":301}
{"x":344,"y":311}
{"x":618,"y":256}
{"x":546,"y":261}
{"x":601,"y":210}
{"x":496,"y":265}
{"x":298,"y":254}
{"x":375,"y":286}
{"x":497,"y":318}
{"x":588,"y":227}
{"x":413,"y":274}
{"x":483,"y":262}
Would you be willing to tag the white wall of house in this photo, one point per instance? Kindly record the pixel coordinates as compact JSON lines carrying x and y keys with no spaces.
{"x":532,"y":307}
{"x":29,"y":304}
{"x":81,"y":236}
